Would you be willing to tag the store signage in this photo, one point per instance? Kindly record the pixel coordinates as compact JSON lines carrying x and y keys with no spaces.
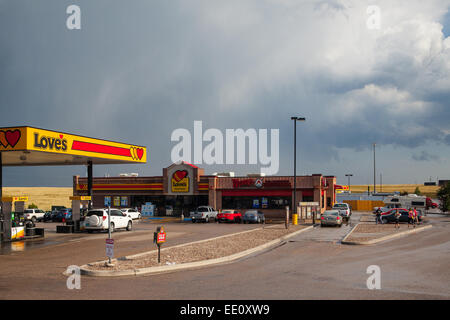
{"x":52,"y":143}
{"x":34,"y":139}
{"x":14,"y":199}
{"x":180,"y":181}
{"x":259,"y":183}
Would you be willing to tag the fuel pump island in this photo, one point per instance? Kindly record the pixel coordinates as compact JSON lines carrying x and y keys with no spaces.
{"x":30,"y":146}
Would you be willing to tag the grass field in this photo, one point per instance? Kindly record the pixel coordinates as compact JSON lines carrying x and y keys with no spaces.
{"x":429,"y":191}
{"x":44,"y":198}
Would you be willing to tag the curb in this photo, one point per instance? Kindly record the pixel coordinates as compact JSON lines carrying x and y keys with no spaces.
{"x":388,"y":237}
{"x":189,"y":265}
{"x":348,"y":234}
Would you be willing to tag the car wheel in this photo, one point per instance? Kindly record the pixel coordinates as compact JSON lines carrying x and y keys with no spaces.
{"x":193,"y":220}
{"x":90,"y":231}
{"x":33,"y":219}
{"x":112,"y":227}
{"x":129,"y":226}
{"x":139,"y":217}
{"x":384,"y":220}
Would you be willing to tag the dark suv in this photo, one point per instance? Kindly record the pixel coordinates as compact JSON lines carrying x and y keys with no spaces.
{"x":63,"y":215}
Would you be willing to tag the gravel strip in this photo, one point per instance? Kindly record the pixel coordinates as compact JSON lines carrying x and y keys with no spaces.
{"x":213,"y":249}
{"x":366,"y":232}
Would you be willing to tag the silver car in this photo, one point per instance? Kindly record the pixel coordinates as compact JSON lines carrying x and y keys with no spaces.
{"x":331,"y":218}
{"x":253,"y":216}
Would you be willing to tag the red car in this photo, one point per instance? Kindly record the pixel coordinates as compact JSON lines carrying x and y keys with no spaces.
{"x":229,"y":216}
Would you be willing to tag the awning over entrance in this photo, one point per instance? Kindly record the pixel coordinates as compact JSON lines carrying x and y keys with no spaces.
{"x":29,"y":146}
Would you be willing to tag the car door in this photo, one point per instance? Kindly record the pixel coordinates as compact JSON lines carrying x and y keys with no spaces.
{"x":404,"y":217}
{"x":122,"y":219}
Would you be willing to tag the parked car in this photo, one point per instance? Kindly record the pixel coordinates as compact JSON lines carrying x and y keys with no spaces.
{"x":132,"y":213}
{"x":97,"y":219}
{"x":383,"y":209}
{"x":33,"y":215}
{"x":203,"y":213}
{"x":63,"y":215}
{"x":331,"y":218}
{"x":48,"y":216}
{"x":229,"y":216}
{"x":253,"y":216}
{"x":344,"y":209}
{"x":389,"y":216}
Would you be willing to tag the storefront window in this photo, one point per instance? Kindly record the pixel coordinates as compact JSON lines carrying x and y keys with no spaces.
{"x":255,"y":202}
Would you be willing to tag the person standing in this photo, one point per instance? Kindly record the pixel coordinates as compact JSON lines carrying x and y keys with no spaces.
{"x":416,"y":217}
{"x":397,"y":215}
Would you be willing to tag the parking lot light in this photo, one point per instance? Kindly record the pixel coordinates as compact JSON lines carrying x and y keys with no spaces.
{"x":294,"y":205}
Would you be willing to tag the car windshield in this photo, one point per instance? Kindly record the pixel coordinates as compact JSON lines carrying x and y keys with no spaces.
{"x":228,"y":211}
{"x":331,"y":213}
{"x":250,"y":213}
{"x":202,"y":209}
{"x":95,"y":213}
{"x":28,"y":211}
{"x":340,"y":205}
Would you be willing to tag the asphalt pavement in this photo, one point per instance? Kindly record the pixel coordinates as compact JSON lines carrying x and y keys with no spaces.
{"x":313,"y":265}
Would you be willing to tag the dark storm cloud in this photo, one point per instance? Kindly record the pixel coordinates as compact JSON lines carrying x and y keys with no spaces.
{"x":424,"y":156}
{"x":137,"y":71}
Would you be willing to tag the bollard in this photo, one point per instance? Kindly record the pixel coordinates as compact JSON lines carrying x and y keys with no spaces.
{"x":295,"y":219}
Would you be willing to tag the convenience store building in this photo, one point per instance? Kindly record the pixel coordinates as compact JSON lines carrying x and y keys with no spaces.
{"x":184,"y":186}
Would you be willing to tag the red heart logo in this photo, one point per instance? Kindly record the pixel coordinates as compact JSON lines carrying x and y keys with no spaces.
{"x":180,"y":175}
{"x":13,"y":137}
{"x":61,"y":136}
{"x":140,"y":153}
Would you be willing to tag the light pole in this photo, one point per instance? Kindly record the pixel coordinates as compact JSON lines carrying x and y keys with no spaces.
{"x":348,"y":175}
{"x":374,"y":176}
{"x":294,"y":206}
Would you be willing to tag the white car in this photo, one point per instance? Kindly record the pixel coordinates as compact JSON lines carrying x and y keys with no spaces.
{"x":132,"y":213}
{"x":33,"y":214}
{"x":97,"y":219}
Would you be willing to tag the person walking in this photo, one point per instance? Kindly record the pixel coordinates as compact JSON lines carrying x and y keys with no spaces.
{"x":416,"y":217}
{"x":378,"y":216}
{"x":411,"y":218}
{"x":397,"y":218}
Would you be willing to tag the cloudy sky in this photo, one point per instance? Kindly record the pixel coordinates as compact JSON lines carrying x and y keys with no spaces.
{"x":140,"y":69}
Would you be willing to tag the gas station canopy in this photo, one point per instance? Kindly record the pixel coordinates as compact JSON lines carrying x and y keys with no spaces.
{"x":29,"y":146}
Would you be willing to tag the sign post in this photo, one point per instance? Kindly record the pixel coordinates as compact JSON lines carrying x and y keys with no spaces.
{"x":110,"y":249}
{"x":287,"y":217}
{"x":159,"y":237}
{"x":109,"y":241}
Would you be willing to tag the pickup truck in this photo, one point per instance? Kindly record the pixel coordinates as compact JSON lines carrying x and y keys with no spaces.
{"x":344,"y":210}
{"x":33,"y":214}
{"x":203,"y":213}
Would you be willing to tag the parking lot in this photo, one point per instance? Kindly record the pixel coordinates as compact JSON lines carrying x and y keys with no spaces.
{"x":140,"y":238}
{"x":35,"y":270}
